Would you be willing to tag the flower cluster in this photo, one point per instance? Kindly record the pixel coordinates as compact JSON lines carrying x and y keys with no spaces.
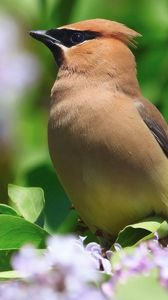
{"x":68,"y":270}
{"x":65,"y":270}
{"x":18,"y":67}
{"x":19,"y":70}
{"x":142,"y":260}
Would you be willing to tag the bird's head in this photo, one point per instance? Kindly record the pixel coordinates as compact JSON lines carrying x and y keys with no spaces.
{"x":84,"y":42}
{"x":96,"y":49}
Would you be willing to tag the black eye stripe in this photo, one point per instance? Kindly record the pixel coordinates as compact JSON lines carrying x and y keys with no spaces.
{"x":69,"y":37}
{"x":77,"y":37}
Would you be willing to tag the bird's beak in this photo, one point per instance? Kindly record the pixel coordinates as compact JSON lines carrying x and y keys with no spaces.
{"x":45,"y":37}
{"x":51,"y":39}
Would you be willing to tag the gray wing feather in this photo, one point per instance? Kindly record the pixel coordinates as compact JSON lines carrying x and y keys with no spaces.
{"x":156,"y":129}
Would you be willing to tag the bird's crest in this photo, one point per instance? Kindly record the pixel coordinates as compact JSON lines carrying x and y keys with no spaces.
{"x":108,"y":28}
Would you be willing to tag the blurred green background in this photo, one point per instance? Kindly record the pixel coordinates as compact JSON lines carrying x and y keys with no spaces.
{"x":27,"y":73}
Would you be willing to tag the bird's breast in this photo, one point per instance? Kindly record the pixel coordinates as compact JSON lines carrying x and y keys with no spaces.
{"x":100,"y":161}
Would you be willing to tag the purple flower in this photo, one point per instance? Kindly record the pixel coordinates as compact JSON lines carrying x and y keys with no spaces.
{"x":21,"y":291}
{"x":74,"y":264}
{"x":139,"y":261}
{"x":65,"y":270}
{"x":131,"y":264}
{"x":29,"y":263}
{"x":102,"y":259}
{"x":19,"y":69}
{"x":108,"y":288}
{"x":89,"y":294}
{"x":68,"y":270}
{"x":160,"y":259}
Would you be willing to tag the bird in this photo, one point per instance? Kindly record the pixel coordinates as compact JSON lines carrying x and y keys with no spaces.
{"x":108,"y":144}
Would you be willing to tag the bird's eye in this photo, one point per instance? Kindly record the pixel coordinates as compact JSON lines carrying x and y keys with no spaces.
{"x":77,"y":37}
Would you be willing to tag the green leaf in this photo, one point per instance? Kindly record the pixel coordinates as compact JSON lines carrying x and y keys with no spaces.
{"x":69,"y":224}
{"x":16,"y":232}
{"x":7,"y":210}
{"x":141,"y":287}
{"x":135,"y":233}
{"x":57,"y":205}
{"x":9,"y":275}
{"x":5,"y":259}
{"x":29,"y":202}
{"x":163,"y":229}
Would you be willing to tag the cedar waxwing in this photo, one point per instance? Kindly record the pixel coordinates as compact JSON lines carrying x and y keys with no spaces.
{"x":108,"y":144}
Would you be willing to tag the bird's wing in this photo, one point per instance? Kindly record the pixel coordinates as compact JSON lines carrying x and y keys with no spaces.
{"x":155,"y":122}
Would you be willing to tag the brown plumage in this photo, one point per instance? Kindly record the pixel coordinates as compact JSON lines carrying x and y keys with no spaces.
{"x":108,"y":144}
